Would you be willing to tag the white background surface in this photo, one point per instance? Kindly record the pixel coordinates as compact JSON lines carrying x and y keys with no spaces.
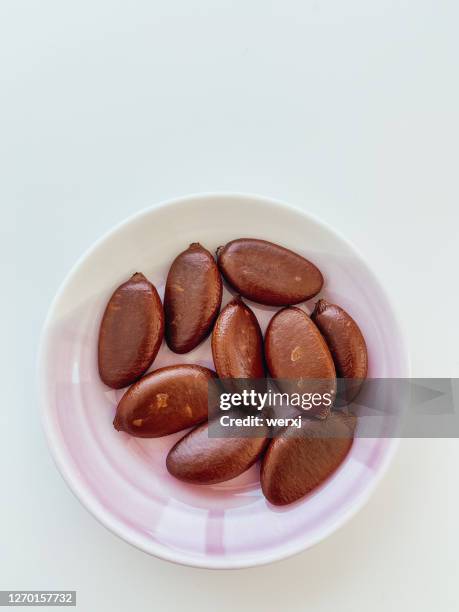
{"x":349,"y":109}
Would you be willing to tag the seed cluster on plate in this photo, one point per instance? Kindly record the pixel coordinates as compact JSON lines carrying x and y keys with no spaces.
{"x":326,"y":345}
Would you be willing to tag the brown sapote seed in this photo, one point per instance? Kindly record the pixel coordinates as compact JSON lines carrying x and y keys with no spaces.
{"x":192,"y":298}
{"x":200,"y":459}
{"x":297,"y":353}
{"x":268,"y":273}
{"x":237,"y":343}
{"x":346,"y":343}
{"x":131,"y":332}
{"x":296,"y":462}
{"x":166,"y":401}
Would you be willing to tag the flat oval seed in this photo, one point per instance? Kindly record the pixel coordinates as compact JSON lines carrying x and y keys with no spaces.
{"x":192,"y":298}
{"x":166,"y":401}
{"x":199,"y":459}
{"x":268,"y":273}
{"x":131,"y":332}
{"x":295,"y":351}
{"x":237,"y":343}
{"x":298,"y":462}
{"x":346,"y":343}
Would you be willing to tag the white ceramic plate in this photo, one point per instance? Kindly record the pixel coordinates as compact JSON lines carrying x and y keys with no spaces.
{"x":123,"y":480}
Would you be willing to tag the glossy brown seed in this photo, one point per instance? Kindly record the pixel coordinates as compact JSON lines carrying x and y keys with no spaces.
{"x":268,"y":273}
{"x":192,"y":298}
{"x":167,"y":400}
{"x":345,"y":340}
{"x":200,"y":459}
{"x":297,"y":462}
{"x":237,"y":343}
{"x":131,"y":332}
{"x":295,"y":351}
